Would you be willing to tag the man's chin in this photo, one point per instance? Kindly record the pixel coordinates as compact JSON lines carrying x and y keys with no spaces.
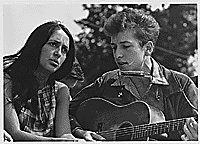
{"x":124,"y":68}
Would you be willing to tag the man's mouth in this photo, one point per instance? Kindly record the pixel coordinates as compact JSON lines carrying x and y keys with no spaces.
{"x":122,"y":63}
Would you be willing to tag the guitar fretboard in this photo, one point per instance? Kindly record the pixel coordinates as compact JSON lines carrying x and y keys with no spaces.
{"x":157,"y":128}
{"x":147,"y":130}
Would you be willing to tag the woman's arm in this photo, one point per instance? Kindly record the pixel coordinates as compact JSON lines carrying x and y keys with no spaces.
{"x":11,"y":121}
{"x":12,"y":126}
{"x":62,"y":124}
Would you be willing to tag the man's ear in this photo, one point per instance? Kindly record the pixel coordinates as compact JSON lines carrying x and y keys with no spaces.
{"x":149,"y":46}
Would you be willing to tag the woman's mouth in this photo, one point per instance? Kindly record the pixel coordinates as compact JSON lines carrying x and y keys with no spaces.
{"x":54,"y":63}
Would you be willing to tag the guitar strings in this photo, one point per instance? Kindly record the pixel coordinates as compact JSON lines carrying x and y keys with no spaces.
{"x":139,"y":134}
{"x":142,"y":131}
{"x":135,"y":135}
{"x":143,"y":128}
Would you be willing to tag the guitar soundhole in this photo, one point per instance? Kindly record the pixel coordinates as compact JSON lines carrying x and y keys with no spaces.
{"x":124,"y":133}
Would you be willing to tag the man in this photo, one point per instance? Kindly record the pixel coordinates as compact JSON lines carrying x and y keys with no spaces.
{"x":140,"y":78}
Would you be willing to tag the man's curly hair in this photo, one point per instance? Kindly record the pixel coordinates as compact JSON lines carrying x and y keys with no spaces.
{"x":146,"y":28}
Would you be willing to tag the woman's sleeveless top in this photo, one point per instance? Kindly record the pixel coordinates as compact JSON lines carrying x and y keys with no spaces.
{"x":42,"y":123}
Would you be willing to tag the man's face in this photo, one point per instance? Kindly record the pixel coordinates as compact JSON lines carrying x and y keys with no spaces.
{"x":128,"y":54}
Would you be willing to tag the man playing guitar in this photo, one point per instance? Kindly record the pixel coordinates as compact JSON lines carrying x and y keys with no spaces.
{"x":162,"y":92}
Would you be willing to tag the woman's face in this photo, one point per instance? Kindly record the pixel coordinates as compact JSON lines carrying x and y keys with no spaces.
{"x":54,"y":52}
{"x":128,"y":53}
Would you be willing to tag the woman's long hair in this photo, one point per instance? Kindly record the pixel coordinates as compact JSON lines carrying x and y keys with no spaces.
{"x":22,"y":65}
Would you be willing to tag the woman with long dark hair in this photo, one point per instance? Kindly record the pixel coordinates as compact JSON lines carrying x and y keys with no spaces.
{"x":35,"y":103}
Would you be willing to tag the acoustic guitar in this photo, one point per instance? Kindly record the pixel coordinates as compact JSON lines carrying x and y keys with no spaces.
{"x":135,"y":121}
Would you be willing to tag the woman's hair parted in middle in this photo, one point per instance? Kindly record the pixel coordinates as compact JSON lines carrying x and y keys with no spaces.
{"x":22,"y":65}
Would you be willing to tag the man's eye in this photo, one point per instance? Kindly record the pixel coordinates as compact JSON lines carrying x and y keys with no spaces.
{"x":113,"y":46}
{"x":126,"y":46}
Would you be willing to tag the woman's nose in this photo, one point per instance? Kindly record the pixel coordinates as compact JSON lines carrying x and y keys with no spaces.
{"x":57,"y":52}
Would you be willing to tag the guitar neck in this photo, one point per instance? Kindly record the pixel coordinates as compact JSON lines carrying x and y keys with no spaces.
{"x":157,"y":128}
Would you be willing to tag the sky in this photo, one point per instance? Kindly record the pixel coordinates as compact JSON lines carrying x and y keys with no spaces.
{"x":20,"y":18}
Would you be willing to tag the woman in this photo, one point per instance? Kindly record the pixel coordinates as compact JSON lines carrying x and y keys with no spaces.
{"x":35,"y":103}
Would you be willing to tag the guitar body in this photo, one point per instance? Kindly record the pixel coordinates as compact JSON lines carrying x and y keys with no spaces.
{"x":108,"y":119}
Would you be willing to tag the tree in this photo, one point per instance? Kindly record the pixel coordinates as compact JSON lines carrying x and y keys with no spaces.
{"x":178,"y":36}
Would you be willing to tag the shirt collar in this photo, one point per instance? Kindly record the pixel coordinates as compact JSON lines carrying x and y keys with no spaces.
{"x":157,"y":74}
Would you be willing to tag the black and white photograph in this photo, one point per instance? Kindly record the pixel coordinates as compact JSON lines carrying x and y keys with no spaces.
{"x":104,"y":71}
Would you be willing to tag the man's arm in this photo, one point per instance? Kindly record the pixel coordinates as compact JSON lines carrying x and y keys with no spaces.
{"x":89,"y":91}
{"x":191,"y":127}
{"x":92,"y":90}
{"x":190,"y":92}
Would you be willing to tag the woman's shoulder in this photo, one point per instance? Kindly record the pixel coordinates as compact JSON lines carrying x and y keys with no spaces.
{"x":60,"y":85}
{"x":61,"y":88}
{"x":7,"y":89}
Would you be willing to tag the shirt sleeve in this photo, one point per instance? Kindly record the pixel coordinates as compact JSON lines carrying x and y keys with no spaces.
{"x":191,"y":92}
{"x":89,"y":91}
{"x":187,"y":105}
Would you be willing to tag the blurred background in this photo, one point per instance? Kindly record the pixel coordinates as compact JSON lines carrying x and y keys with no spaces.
{"x":176,"y":47}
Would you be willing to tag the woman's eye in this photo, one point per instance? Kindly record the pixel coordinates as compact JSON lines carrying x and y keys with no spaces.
{"x":52,"y":44}
{"x":64,"y":50}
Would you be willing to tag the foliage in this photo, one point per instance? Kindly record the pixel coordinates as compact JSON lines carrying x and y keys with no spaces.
{"x":177,"y":40}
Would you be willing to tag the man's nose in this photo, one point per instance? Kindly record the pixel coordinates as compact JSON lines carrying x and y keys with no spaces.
{"x":118,"y":53}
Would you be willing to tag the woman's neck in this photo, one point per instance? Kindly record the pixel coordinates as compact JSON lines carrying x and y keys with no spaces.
{"x":41,"y":77}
